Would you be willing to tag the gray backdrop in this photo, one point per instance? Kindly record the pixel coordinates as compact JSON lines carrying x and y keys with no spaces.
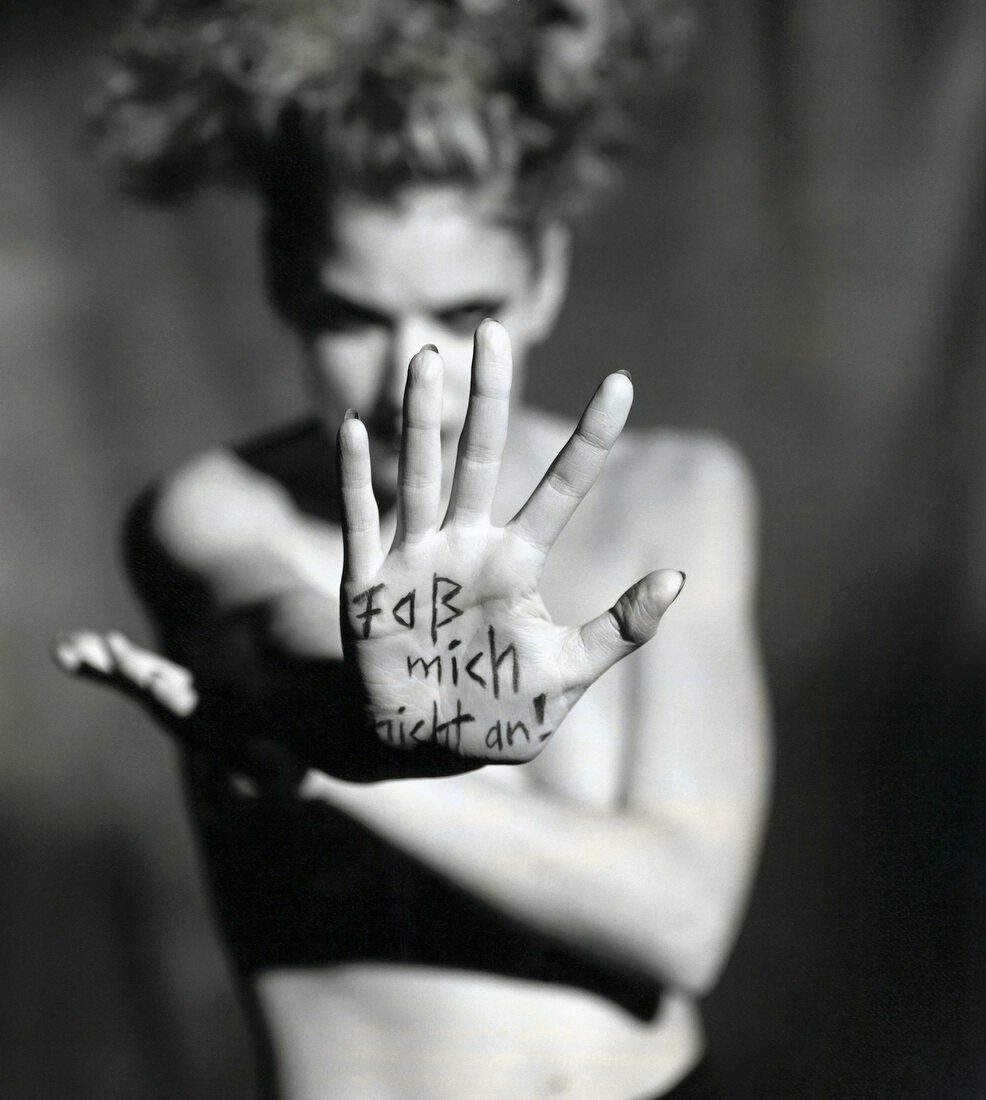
{"x":798,"y":261}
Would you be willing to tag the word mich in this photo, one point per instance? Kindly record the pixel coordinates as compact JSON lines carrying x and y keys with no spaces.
{"x":488,"y":667}
{"x":489,"y":660}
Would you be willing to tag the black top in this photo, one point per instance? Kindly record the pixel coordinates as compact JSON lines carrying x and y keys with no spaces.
{"x":300,"y":884}
{"x":301,"y":458}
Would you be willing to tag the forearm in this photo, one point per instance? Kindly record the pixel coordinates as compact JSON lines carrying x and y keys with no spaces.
{"x":625,"y":886}
{"x":271,"y":684}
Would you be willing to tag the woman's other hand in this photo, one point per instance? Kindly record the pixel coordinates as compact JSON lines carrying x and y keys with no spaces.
{"x":190,"y":711}
{"x":111,"y":658}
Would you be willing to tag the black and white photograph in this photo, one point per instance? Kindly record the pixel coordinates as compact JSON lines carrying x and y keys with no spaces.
{"x":493,"y":558}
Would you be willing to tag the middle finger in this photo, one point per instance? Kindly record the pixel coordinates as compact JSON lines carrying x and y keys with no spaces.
{"x":419,"y":473}
{"x":477,"y":465}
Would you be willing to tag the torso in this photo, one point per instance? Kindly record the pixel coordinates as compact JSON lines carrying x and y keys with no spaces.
{"x":367,"y":1032}
{"x":366,"y":1028}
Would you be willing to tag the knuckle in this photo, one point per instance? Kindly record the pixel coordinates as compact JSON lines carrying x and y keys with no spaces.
{"x":417,"y":481}
{"x":561,"y":483}
{"x":359,"y":525}
{"x":480,"y":454}
{"x":492,"y":383}
{"x":420,"y":421}
{"x":631,"y":624}
{"x":598,"y":436}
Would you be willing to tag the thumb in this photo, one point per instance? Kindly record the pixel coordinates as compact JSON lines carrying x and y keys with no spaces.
{"x":630,"y":622}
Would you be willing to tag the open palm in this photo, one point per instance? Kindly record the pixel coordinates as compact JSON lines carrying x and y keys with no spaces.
{"x":448,"y":633}
{"x":448,"y":647}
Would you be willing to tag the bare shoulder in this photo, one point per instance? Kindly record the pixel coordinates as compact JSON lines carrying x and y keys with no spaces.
{"x":219,"y":539}
{"x":693,"y":504}
{"x":211,"y":508}
{"x":689,"y":469}
{"x":690,"y":487}
{"x":674,"y":467}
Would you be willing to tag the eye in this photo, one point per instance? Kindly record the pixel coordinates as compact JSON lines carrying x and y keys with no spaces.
{"x":333,"y":313}
{"x":464,"y":319}
{"x":559,"y":14}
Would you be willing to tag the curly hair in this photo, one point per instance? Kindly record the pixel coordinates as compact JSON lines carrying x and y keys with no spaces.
{"x":306,"y":98}
{"x":372,"y":95}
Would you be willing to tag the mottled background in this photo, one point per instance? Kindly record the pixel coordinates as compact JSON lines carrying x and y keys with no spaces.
{"x":799,"y":261}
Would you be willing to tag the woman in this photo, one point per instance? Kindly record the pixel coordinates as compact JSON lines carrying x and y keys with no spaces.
{"x":414,"y":916}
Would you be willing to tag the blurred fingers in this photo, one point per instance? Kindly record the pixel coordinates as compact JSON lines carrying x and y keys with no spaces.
{"x":167,"y":683}
{"x":114,"y":660}
{"x":83,"y":653}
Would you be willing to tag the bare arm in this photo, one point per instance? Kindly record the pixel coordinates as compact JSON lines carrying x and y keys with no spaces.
{"x":657,"y":885}
{"x":451,"y":659}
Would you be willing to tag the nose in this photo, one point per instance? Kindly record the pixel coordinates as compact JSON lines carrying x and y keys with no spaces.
{"x":407,"y":336}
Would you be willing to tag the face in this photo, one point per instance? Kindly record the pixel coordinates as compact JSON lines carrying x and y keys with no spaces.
{"x":425,"y":269}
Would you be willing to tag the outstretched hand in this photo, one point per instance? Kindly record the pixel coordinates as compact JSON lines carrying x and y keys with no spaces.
{"x":451,"y":640}
{"x":451,"y":655}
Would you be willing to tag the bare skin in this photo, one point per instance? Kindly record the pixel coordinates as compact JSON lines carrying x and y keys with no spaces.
{"x":464,"y":586}
{"x":630,"y":835}
{"x":485,"y":673}
{"x":409,"y":1033}
{"x":596,"y":815}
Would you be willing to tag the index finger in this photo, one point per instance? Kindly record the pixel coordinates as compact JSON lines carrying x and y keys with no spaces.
{"x":573,"y":473}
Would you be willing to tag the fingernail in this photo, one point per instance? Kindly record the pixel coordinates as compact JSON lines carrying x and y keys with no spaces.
{"x":682,"y":585}
{"x":429,"y":347}
{"x":626,"y":374}
{"x":351,"y":414}
{"x":65,"y":657}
